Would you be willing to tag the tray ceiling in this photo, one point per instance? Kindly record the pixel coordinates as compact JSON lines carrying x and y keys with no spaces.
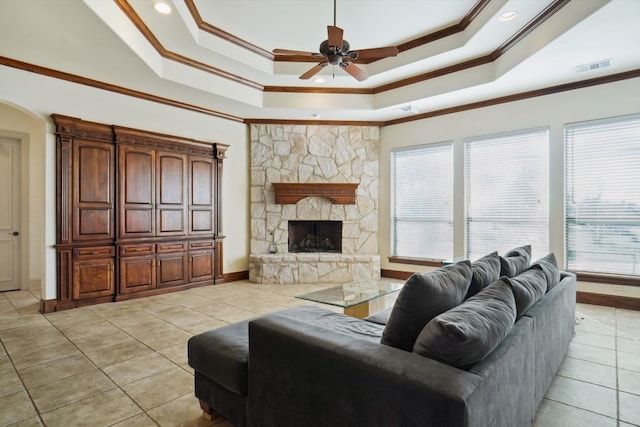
{"x":216,"y":54}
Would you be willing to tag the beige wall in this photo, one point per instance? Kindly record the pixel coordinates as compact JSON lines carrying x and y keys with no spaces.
{"x":30,"y":131}
{"x":29,"y":99}
{"x":614,"y":99}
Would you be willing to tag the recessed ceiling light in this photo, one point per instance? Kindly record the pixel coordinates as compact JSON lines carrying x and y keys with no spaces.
{"x":508,"y":16}
{"x":162,"y":7}
{"x":319,"y":80}
{"x":315,"y":115}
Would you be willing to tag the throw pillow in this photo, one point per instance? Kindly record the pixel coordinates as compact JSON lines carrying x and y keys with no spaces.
{"x":549,"y":267}
{"x":527,"y":287}
{"x":486,"y":270}
{"x":466,"y":334}
{"x":424,"y":296}
{"x":515,"y":261}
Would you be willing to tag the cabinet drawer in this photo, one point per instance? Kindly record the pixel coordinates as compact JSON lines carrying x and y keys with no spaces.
{"x":140,"y":249}
{"x":203,"y":244}
{"x":94,"y":252}
{"x":171,"y":247}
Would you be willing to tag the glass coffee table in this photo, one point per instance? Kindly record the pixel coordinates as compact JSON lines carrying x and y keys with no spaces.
{"x":358,"y":299}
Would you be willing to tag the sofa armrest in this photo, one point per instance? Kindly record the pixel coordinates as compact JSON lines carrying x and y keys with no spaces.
{"x":305,"y":374}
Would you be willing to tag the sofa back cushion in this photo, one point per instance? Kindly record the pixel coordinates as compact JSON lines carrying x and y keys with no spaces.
{"x":549,"y":267}
{"x":424,"y":296}
{"x":486,"y":270}
{"x":527,"y":287}
{"x":515,"y":261}
{"x":466,"y":334}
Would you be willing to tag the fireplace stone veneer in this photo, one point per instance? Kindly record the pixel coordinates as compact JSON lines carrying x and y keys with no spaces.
{"x":276,"y":269}
{"x":297,"y":154}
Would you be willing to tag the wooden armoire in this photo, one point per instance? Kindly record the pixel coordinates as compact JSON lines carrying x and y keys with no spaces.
{"x":138,"y":213}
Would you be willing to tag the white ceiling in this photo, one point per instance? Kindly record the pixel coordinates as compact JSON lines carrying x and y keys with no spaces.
{"x":99,"y":39}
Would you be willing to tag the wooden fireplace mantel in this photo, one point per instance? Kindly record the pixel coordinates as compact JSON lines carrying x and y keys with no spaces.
{"x":338,"y":193}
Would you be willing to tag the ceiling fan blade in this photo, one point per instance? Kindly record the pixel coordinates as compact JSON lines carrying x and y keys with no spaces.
{"x":315,"y":70}
{"x":294,"y":52}
{"x":376,"y":53}
{"x":334,"y":36}
{"x":354,"y":70}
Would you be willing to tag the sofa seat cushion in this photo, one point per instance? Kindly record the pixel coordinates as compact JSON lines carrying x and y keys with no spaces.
{"x":527,"y":287}
{"x":424,"y":296}
{"x":222,"y":355}
{"x":486,"y":270}
{"x":466,"y":334}
{"x":336,"y":322}
{"x":381,"y":317}
{"x":515,"y":261}
{"x":549,"y":266}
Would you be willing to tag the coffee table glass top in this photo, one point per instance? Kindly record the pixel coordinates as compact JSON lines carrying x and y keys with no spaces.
{"x":354,"y":293}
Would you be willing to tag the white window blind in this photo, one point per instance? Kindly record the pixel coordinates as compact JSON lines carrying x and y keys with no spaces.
{"x":507,"y":193}
{"x":603,"y":196}
{"x":422,"y":202}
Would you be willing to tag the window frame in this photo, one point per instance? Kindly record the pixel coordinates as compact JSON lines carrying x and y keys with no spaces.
{"x":590,"y":276}
{"x":417,"y":260}
{"x":495,"y":137}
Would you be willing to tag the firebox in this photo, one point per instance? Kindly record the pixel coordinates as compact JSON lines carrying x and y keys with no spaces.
{"x":315,"y":236}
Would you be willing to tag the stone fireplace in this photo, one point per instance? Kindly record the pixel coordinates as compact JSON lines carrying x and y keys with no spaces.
{"x":324,"y":174}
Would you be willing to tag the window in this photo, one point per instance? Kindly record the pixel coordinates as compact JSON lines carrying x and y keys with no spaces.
{"x":422,"y":202}
{"x":507,"y":193}
{"x":603,"y":196}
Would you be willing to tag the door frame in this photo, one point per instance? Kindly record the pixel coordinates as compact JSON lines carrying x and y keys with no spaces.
{"x":23,"y":143}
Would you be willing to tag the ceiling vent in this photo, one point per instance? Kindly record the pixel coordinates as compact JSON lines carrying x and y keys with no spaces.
{"x":408,"y":109}
{"x":594,"y":66}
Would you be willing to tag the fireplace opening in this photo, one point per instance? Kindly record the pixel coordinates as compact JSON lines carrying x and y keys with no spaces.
{"x":315,"y":236}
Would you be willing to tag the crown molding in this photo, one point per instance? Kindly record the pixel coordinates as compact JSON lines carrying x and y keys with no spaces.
{"x":13,"y":63}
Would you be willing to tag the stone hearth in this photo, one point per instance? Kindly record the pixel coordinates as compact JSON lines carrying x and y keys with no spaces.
{"x":314,"y":154}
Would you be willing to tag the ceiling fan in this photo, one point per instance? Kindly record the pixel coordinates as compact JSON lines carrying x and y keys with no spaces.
{"x":337,"y":51}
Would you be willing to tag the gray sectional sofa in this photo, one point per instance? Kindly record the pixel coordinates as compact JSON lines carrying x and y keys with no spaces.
{"x":469,"y":365}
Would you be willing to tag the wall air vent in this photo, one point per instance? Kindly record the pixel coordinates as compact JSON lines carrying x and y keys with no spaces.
{"x":594,"y":66}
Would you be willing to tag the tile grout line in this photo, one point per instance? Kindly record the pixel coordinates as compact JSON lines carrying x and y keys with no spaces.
{"x":24,"y":386}
{"x":99,"y":369}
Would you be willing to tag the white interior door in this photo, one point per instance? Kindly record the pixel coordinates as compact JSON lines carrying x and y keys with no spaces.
{"x":9,"y":214}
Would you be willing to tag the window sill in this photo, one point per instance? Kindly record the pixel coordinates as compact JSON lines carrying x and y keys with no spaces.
{"x":611,"y":279}
{"x":429,"y":262}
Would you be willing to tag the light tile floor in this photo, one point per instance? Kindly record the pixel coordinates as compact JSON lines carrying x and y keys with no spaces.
{"x":125,"y":363}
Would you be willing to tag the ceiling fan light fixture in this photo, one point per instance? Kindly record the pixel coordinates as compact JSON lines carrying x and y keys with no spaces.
{"x":319,"y":80}
{"x":337,"y":51}
{"x":508,"y":16}
{"x":162,"y":7}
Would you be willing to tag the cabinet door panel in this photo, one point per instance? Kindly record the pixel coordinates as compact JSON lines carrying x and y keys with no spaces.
{"x":201,"y":266}
{"x":93,"y":181}
{"x":93,"y":223}
{"x":171,"y":222}
{"x":138,"y":222}
{"x":201,"y":174}
{"x":138,"y":177}
{"x":137,"y":274}
{"x":201,"y":221}
{"x":137,"y":191}
{"x":172,"y":194}
{"x":171,"y":179}
{"x":172,"y":270}
{"x":93,"y":278}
